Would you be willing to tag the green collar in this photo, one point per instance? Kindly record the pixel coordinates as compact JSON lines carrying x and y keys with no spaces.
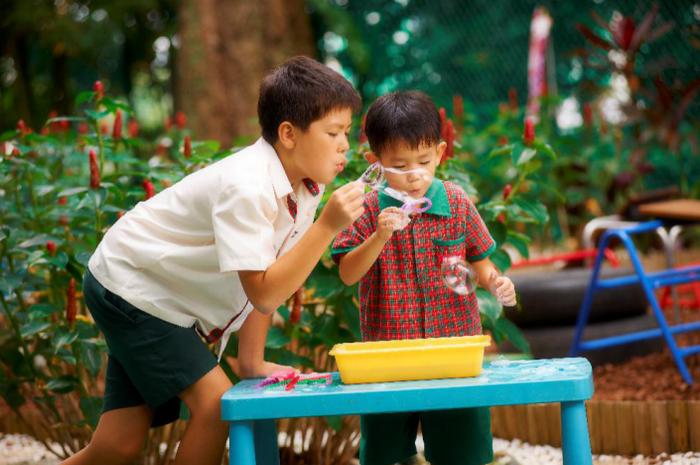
{"x":436,"y":193}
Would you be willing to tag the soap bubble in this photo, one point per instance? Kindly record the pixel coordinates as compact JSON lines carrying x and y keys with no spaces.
{"x":457,"y":275}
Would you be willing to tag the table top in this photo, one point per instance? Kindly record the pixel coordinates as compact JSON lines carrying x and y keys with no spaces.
{"x":679,"y":209}
{"x":502,"y":382}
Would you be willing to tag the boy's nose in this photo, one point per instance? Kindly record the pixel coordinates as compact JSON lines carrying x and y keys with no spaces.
{"x":344,"y":144}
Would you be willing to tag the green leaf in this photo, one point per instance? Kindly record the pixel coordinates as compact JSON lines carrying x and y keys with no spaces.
{"x":72,"y":191}
{"x":498,"y":231}
{"x":96,"y":115}
{"x":500,"y":151}
{"x":546,"y":149}
{"x":513,"y":334}
{"x":64,"y":337}
{"x":91,"y":356}
{"x":536,"y":211}
{"x":9,"y":283}
{"x":520,"y":242}
{"x":33,"y":328}
{"x":66,"y":355}
{"x":489,"y":307}
{"x":92,"y":409}
{"x":525,"y":156}
{"x":335,"y":422}
{"x":36,"y":240}
{"x":352,"y":317}
{"x":83,"y":97}
{"x":38,"y":311}
{"x":62,"y":384}
{"x":276,"y":338}
{"x":59,"y":261}
{"x":501,"y":259}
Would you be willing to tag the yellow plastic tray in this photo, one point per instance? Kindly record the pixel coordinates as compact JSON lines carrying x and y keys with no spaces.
{"x":410,"y":359}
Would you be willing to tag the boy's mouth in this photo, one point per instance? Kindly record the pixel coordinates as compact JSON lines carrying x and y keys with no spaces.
{"x":339,"y":167}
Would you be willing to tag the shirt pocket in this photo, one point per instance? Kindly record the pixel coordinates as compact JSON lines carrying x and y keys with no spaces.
{"x":446,"y":246}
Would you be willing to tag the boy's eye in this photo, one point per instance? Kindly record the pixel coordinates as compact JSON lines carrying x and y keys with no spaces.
{"x":424,"y":162}
{"x":333,"y":134}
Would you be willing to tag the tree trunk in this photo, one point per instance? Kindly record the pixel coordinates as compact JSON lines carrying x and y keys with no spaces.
{"x":226,"y":47}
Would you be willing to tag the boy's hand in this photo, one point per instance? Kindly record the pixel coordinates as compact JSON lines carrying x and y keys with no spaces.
{"x":504,"y":290}
{"x":344,"y":206}
{"x":388,"y":221}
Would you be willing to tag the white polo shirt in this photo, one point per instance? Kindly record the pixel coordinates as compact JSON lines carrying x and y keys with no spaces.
{"x":177,"y":255}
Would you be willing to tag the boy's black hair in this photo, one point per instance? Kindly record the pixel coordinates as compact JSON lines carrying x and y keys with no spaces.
{"x":404,"y":116}
{"x":301,"y":90}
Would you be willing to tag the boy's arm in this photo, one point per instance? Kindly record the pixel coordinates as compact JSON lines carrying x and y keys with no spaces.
{"x":355,"y":264}
{"x":268,"y":289}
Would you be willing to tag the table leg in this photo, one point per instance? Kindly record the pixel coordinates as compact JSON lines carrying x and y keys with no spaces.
{"x":241,"y":443}
{"x":576,"y":446}
{"x":265,"y":437}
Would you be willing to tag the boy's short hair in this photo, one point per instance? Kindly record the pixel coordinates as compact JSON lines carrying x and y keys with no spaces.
{"x":301,"y":90}
{"x":404,"y":116}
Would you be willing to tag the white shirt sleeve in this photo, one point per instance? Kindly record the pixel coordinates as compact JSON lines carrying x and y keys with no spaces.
{"x":243,"y":232}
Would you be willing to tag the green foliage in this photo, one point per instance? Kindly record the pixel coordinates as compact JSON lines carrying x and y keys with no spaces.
{"x":54,"y":209}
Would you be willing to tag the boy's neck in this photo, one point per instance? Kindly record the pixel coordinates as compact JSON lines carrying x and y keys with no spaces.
{"x":294,"y":175}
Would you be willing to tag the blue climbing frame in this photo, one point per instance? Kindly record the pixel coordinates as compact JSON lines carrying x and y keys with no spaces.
{"x":649,"y":282}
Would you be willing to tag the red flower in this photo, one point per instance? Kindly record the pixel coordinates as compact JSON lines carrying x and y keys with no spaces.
{"x":587,"y":115}
{"x":51,"y":247}
{"x":458,"y":106}
{"x":513,"y":98}
{"x":295,"y":314}
{"x":94,"y":170}
{"x":363,"y":135}
{"x":187,"y":147}
{"x":623,"y":31}
{"x":529,"y":131}
{"x":71,"y":302}
{"x":99,"y":90}
{"x":104,"y":128}
{"x":507,"y":189}
{"x":83,"y":128}
{"x":180,"y":120}
{"x":117,"y":129}
{"x":503,"y":140}
{"x":450,"y":139}
{"x":62,"y":200}
{"x":15,"y":152}
{"x":133,"y":127}
{"x":22,"y":128}
{"x":149,"y":189}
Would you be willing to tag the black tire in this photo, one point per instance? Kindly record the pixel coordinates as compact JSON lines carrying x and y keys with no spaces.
{"x":552,"y":342}
{"x":554,"y":298}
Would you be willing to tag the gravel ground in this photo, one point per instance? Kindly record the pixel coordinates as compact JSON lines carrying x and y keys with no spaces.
{"x":23,"y":450}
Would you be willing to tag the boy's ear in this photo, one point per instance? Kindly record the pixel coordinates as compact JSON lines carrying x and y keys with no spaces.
{"x":371,"y":157}
{"x":441,"y":147}
{"x":286,"y":133}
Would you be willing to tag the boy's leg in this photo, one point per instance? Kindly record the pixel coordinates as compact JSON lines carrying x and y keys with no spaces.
{"x":205,"y":436}
{"x":458,"y":437}
{"x":387,"y":438}
{"x":118,"y":439}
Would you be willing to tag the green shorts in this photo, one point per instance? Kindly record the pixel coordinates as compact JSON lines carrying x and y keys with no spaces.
{"x":451,"y":437}
{"x":151,"y":361}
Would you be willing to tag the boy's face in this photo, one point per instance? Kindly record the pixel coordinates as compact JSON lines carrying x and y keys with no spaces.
{"x":320,"y":150}
{"x":400,"y":156}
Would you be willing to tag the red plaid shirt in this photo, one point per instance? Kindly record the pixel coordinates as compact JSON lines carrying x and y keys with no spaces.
{"x":402,"y":296}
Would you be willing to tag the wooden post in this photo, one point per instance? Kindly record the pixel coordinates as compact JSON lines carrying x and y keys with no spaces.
{"x":678,"y":418}
{"x":659,"y":427}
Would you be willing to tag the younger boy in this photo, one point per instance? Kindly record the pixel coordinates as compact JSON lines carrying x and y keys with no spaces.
{"x":402,"y":295}
{"x":197,"y":259}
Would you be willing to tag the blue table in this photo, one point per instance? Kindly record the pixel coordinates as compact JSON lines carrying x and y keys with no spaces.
{"x":251,"y":411}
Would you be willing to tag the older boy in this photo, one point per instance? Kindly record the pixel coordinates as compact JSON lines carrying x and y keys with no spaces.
{"x":402,"y":295}
{"x":201,"y":255}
